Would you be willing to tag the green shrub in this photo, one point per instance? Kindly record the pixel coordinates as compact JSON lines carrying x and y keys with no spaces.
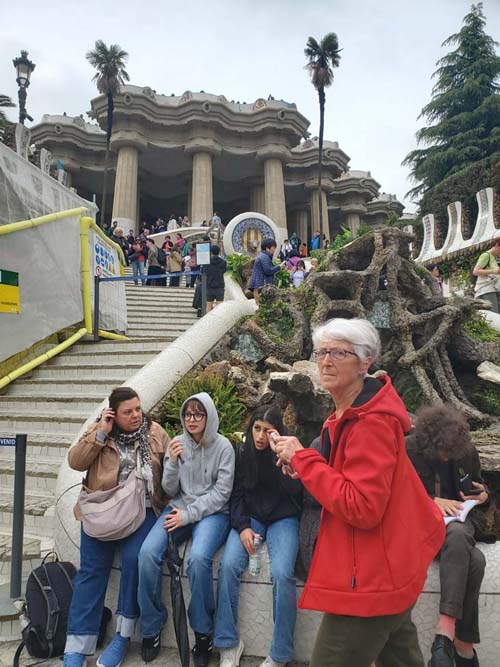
{"x":477,"y":327}
{"x":320,"y":255}
{"x":489,"y":401}
{"x":282,"y":278}
{"x":276,"y":320}
{"x":341,"y":240}
{"x":229,"y":407}
{"x":363,"y":229}
{"x":235,"y":263}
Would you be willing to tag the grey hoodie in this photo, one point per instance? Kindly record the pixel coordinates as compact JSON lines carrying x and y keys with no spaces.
{"x":202,"y":485}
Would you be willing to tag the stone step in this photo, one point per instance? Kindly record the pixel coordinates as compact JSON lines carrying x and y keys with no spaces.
{"x":63,"y":402}
{"x":41,"y":474}
{"x":43,"y":445}
{"x":182,"y":295}
{"x":187,"y":315}
{"x":50,"y":422}
{"x":111,"y":368}
{"x":97,"y":388}
{"x":164,"y":324}
{"x":32,"y":553}
{"x":38,"y":512}
{"x":112,"y":346}
{"x":102,"y":359}
{"x":149,"y":332}
{"x":143,"y":290}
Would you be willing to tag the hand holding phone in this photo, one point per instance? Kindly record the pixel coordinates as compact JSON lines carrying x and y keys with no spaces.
{"x":107,"y":420}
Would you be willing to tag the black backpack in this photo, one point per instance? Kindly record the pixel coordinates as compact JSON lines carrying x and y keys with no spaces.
{"x":48,"y":596}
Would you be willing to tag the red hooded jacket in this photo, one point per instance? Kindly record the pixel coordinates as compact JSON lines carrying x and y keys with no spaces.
{"x":379,"y":529}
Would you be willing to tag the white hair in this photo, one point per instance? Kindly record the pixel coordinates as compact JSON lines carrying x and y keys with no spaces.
{"x":360,"y":333}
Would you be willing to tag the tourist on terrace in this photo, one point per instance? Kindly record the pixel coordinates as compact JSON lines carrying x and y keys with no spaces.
{"x":286,"y":249}
{"x":263,"y":270}
{"x":295,"y":241}
{"x":154,"y":267}
{"x":293,"y":260}
{"x":191,"y":264}
{"x":303,"y":250}
{"x":119,"y":239}
{"x":265,"y":504}
{"x":379,"y":529}
{"x":109,"y":451}
{"x":298,"y":274}
{"x":488,"y":276}
{"x":198,"y":477}
{"x":316,"y":241}
{"x":448,"y":465}
{"x":137,"y":258}
{"x":172,"y":223}
{"x":175,"y":266}
{"x":185,"y":221}
{"x":215,"y":278}
{"x":434,"y":270}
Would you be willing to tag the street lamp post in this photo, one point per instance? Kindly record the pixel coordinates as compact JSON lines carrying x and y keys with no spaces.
{"x":24,"y":67}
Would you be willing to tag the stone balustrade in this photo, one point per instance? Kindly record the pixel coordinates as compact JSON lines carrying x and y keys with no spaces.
{"x":484,"y":230}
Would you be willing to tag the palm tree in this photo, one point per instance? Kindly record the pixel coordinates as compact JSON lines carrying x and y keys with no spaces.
{"x":322,"y":58}
{"x":110,"y":75}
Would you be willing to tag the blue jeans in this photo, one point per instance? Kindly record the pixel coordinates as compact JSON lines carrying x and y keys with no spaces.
{"x":138,"y":270}
{"x":282,"y":538}
{"x":208,"y":535}
{"x":91,"y":581}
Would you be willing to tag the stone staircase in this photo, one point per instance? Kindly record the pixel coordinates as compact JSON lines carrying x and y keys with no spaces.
{"x":52,"y":402}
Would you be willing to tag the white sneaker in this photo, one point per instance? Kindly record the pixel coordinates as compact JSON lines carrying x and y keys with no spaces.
{"x":269,"y":662}
{"x":230,"y":657}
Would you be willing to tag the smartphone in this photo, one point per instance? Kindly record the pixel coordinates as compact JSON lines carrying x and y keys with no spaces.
{"x":466,"y":486}
{"x":473,"y":492}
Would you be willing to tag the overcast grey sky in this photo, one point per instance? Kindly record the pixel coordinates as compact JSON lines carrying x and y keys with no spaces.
{"x":246,"y":49}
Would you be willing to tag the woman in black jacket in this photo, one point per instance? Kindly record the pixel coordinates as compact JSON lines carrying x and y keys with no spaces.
{"x":265,"y":504}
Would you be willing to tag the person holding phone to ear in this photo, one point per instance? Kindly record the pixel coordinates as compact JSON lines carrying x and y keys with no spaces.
{"x":265,"y":504}
{"x":448,"y":464}
{"x":121,"y":441}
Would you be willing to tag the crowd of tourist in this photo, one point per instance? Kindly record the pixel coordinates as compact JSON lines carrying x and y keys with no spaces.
{"x":387,"y":496}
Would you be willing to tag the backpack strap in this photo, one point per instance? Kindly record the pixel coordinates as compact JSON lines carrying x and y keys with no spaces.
{"x":52,"y":606}
{"x":17,"y":655}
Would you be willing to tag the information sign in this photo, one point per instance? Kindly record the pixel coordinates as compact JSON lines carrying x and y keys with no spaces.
{"x":7,"y":442}
{"x":9,"y":292}
{"x":203,"y":254}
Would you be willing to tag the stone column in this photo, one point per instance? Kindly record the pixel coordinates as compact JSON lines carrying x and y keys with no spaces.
{"x":353,"y":221}
{"x":275,"y":192}
{"x":190,"y":203}
{"x":202,"y":203}
{"x":301,"y":226}
{"x":258,"y":198}
{"x":315,"y":214}
{"x":125,"y":195}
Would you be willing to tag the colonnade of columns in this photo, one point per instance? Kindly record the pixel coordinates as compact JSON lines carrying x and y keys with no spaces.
{"x":267,"y":197}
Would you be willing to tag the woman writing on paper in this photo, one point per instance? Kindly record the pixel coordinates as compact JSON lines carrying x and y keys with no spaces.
{"x":448,"y":465}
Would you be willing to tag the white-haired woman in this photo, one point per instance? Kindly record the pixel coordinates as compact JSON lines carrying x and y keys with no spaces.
{"x":379,"y":530}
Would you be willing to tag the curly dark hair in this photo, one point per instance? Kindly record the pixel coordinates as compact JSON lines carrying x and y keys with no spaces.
{"x":441,"y":431}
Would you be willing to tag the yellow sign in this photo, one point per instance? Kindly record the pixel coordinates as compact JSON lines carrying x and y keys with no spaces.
{"x":9,"y":292}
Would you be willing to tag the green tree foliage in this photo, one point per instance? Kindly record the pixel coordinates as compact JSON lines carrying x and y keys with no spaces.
{"x":323,"y":57}
{"x":464,"y":112}
{"x":110,"y":75}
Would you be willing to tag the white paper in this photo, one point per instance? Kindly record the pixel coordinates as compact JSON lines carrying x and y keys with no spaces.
{"x":467,"y":505}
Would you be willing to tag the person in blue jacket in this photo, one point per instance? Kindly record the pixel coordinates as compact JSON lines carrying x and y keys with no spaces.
{"x":263,"y":269}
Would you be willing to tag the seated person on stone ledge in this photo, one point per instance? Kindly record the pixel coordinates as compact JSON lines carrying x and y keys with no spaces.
{"x":198,"y":477}
{"x":265,"y":506}
{"x":448,"y":465}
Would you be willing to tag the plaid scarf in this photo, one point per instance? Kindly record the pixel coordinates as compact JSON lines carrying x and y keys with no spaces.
{"x":141,"y":435}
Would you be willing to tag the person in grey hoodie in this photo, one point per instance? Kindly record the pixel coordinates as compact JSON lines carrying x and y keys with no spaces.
{"x":198,"y":477}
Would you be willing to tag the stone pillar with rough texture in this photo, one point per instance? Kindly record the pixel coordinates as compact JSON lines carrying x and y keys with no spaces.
{"x":258,"y":199}
{"x":353,"y":222}
{"x":275,"y":192}
{"x":202,"y":203}
{"x":315,"y":214}
{"x":300,"y":219}
{"x":125,"y":195}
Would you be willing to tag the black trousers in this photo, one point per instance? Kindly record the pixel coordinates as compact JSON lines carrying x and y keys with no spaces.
{"x":461,"y":571}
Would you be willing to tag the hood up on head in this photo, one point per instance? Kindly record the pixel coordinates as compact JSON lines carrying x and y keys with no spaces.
{"x":212,"y":425}
{"x":441,"y":432}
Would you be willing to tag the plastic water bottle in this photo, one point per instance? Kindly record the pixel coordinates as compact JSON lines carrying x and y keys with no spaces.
{"x":255,"y":560}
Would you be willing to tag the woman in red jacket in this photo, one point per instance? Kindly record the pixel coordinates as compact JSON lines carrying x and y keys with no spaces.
{"x":379,"y":530}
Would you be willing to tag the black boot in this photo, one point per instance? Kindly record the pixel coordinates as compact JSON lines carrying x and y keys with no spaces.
{"x":442,"y":652}
{"x":466,"y":662}
{"x":202,"y":650}
{"x":150,"y":648}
